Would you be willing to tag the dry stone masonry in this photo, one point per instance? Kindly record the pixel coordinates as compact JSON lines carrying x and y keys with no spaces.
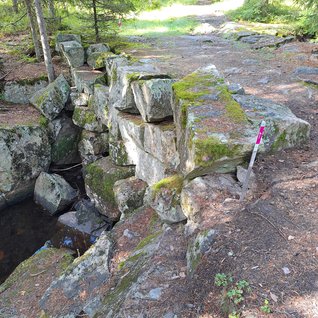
{"x":154,"y":150}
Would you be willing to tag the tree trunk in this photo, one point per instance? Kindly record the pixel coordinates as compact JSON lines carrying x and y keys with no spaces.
{"x":95,"y":21}
{"x":44,"y":41}
{"x":15,"y":6}
{"x":51,"y":8}
{"x":34,"y":34}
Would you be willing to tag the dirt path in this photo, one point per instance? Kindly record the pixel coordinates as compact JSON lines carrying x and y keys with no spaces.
{"x":279,"y":227}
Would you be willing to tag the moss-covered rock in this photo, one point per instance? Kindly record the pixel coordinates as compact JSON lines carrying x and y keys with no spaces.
{"x":25,"y":151}
{"x":100,"y":177}
{"x":29,"y":280}
{"x":216,"y":130}
{"x":51,"y":100}
{"x":85,"y":118}
{"x":21,"y":91}
{"x":164,"y":198}
{"x":65,"y":136}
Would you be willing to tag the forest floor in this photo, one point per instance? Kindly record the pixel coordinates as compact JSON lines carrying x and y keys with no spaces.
{"x":272,"y":241}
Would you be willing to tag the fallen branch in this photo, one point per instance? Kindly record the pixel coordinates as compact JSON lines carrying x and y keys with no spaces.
{"x":269,"y":221}
{"x":66,"y":169}
{"x":37,"y":274}
{"x":5,"y":75}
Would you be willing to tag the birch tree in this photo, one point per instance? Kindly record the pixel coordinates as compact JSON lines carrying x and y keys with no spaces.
{"x":33,"y":28}
{"x":44,"y":41}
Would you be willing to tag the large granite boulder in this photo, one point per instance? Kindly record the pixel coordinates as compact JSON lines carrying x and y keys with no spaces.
{"x":53,"y":193}
{"x":73,"y":52}
{"x":65,"y":136}
{"x":25,"y":151}
{"x":65,"y":38}
{"x":96,"y":54}
{"x":51,"y":100}
{"x":100,"y":177}
{"x":153,"y":98}
{"x":35,"y":273}
{"x":21,"y":91}
{"x":216,"y":130}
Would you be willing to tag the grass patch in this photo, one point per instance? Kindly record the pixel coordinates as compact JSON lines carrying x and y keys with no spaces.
{"x":167,"y":27}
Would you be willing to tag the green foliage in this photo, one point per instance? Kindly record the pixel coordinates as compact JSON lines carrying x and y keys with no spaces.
{"x":233,"y":293}
{"x":264,"y":11}
{"x":266,"y":309}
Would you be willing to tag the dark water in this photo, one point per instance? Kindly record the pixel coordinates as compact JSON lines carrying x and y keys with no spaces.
{"x":25,"y":227}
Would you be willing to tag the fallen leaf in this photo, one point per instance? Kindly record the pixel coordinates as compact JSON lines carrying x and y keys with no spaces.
{"x":274,"y":297}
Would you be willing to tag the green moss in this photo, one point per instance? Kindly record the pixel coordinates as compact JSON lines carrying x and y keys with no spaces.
{"x":233,"y":109}
{"x":83,"y":116}
{"x":147,"y":240}
{"x":101,"y":183}
{"x":191,"y":90}
{"x":174,"y":182}
{"x":280,"y":142}
{"x":64,"y":147}
{"x":212,"y":149}
{"x":43,"y":121}
{"x":119,"y":45}
{"x":131,"y":259}
{"x":34,"y":264}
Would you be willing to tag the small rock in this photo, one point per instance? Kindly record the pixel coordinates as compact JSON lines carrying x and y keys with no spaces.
{"x":306,"y":70}
{"x":264,"y":80}
{"x":286,"y":270}
{"x":155,"y":293}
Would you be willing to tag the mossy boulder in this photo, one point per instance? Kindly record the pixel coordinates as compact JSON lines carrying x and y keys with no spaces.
{"x":51,"y":100}
{"x":100,"y":177}
{"x":120,"y":94}
{"x":96,"y":60}
{"x":164,"y":198}
{"x":65,"y":137}
{"x":25,"y":152}
{"x":216,"y":130}
{"x":29,"y":280}
{"x":129,"y":194}
{"x":21,"y":91}
{"x":85,"y":118}
{"x":76,"y":287}
{"x":101,"y":103}
{"x":63,"y":37}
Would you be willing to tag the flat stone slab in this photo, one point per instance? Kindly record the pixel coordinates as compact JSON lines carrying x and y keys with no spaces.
{"x":216,"y":130}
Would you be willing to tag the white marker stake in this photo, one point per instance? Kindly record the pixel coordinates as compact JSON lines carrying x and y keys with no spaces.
{"x":250,"y":166}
